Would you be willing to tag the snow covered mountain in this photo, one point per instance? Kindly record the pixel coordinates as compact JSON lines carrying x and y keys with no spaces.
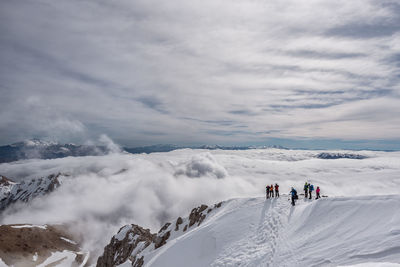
{"x":39,"y":149}
{"x":11,"y":192}
{"x":259,"y":232}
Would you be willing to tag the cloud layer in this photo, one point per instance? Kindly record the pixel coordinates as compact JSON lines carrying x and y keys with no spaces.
{"x":103,"y":193}
{"x":199,"y":71}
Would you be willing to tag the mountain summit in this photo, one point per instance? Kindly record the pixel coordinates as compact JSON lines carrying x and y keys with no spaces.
{"x":258,"y":232}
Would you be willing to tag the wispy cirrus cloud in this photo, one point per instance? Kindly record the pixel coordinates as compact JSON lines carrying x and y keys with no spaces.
{"x":191,"y":72}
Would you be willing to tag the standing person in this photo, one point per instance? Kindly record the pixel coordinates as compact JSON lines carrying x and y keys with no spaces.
{"x":306,"y":190}
{"x":271,"y":188}
{"x":293,"y":193}
{"x":318,"y":191}
{"x":267,"y":191}
{"x":276,"y":190}
{"x":310,"y":189}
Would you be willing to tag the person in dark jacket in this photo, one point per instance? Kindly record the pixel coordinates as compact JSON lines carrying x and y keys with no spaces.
{"x":310,"y":190}
{"x":276,"y":190}
{"x":293,"y":194}
{"x":306,"y":185}
{"x":267,"y":191}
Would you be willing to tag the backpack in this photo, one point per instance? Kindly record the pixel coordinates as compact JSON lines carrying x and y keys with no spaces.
{"x":311,"y":188}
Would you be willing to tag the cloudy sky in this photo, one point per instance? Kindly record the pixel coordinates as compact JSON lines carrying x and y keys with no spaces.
{"x":297,"y":72}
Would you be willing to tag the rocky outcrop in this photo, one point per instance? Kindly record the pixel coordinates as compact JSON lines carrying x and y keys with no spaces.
{"x":129,"y":241}
{"x":31,"y":245}
{"x":11,"y":192}
{"x":133,"y":243}
{"x":197,"y":216}
{"x":4,"y":181}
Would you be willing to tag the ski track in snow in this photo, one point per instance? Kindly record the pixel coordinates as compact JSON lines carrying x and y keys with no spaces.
{"x":267,"y":244}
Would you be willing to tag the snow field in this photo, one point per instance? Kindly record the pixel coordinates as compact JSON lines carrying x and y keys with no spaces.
{"x":259,"y":232}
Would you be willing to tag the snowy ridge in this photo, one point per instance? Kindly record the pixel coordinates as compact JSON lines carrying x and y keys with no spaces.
{"x":133,"y":244}
{"x":259,"y":232}
{"x":11,"y":192}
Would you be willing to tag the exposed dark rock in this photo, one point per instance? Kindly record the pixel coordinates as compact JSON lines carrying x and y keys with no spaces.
{"x":20,"y":243}
{"x":178,"y":222}
{"x":165,"y":227}
{"x":138,"y":262}
{"x":161,"y":240}
{"x":4,"y":181}
{"x":196,"y":215}
{"x":121,"y":247}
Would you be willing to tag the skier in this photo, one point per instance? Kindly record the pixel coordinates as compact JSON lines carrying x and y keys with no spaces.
{"x":267,"y":191}
{"x":276,"y":190}
{"x":293,"y":193}
{"x":317,"y":191}
{"x":311,"y":188}
{"x":306,"y":190}
{"x":271,"y":188}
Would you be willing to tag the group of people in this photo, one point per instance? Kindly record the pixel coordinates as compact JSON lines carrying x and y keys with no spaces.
{"x":269,"y":190}
{"x":273,"y":191}
{"x":308,"y":189}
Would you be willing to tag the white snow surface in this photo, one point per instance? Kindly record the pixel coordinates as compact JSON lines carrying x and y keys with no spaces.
{"x":68,"y":240}
{"x":64,"y":258}
{"x":258,"y":232}
{"x":29,"y":226}
{"x":103,"y":193}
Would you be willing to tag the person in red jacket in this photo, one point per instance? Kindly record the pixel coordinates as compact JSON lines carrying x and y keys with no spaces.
{"x":271,"y":188}
{"x":317,"y":192}
{"x":276,"y":190}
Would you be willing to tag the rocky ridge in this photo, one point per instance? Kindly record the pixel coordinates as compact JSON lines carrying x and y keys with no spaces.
{"x":44,"y":245}
{"x":133,"y":243}
{"x":11,"y":192}
{"x":326,"y":155}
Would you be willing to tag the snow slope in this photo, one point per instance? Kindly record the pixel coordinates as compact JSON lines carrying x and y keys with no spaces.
{"x":259,"y":232}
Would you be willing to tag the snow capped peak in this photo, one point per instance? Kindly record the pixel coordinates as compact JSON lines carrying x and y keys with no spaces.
{"x":34,"y":143}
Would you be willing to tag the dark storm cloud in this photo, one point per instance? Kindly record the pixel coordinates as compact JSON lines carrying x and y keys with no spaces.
{"x":197,"y":71}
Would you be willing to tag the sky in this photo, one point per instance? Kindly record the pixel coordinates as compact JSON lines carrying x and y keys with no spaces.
{"x":308,"y":73}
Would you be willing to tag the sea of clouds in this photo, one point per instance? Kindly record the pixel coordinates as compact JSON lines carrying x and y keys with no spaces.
{"x":99,"y":194}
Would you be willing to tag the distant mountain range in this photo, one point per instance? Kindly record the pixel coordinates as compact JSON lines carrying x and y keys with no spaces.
{"x":39,"y":149}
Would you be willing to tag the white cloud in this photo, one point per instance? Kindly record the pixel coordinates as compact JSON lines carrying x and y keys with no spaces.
{"x":102,"y":193}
